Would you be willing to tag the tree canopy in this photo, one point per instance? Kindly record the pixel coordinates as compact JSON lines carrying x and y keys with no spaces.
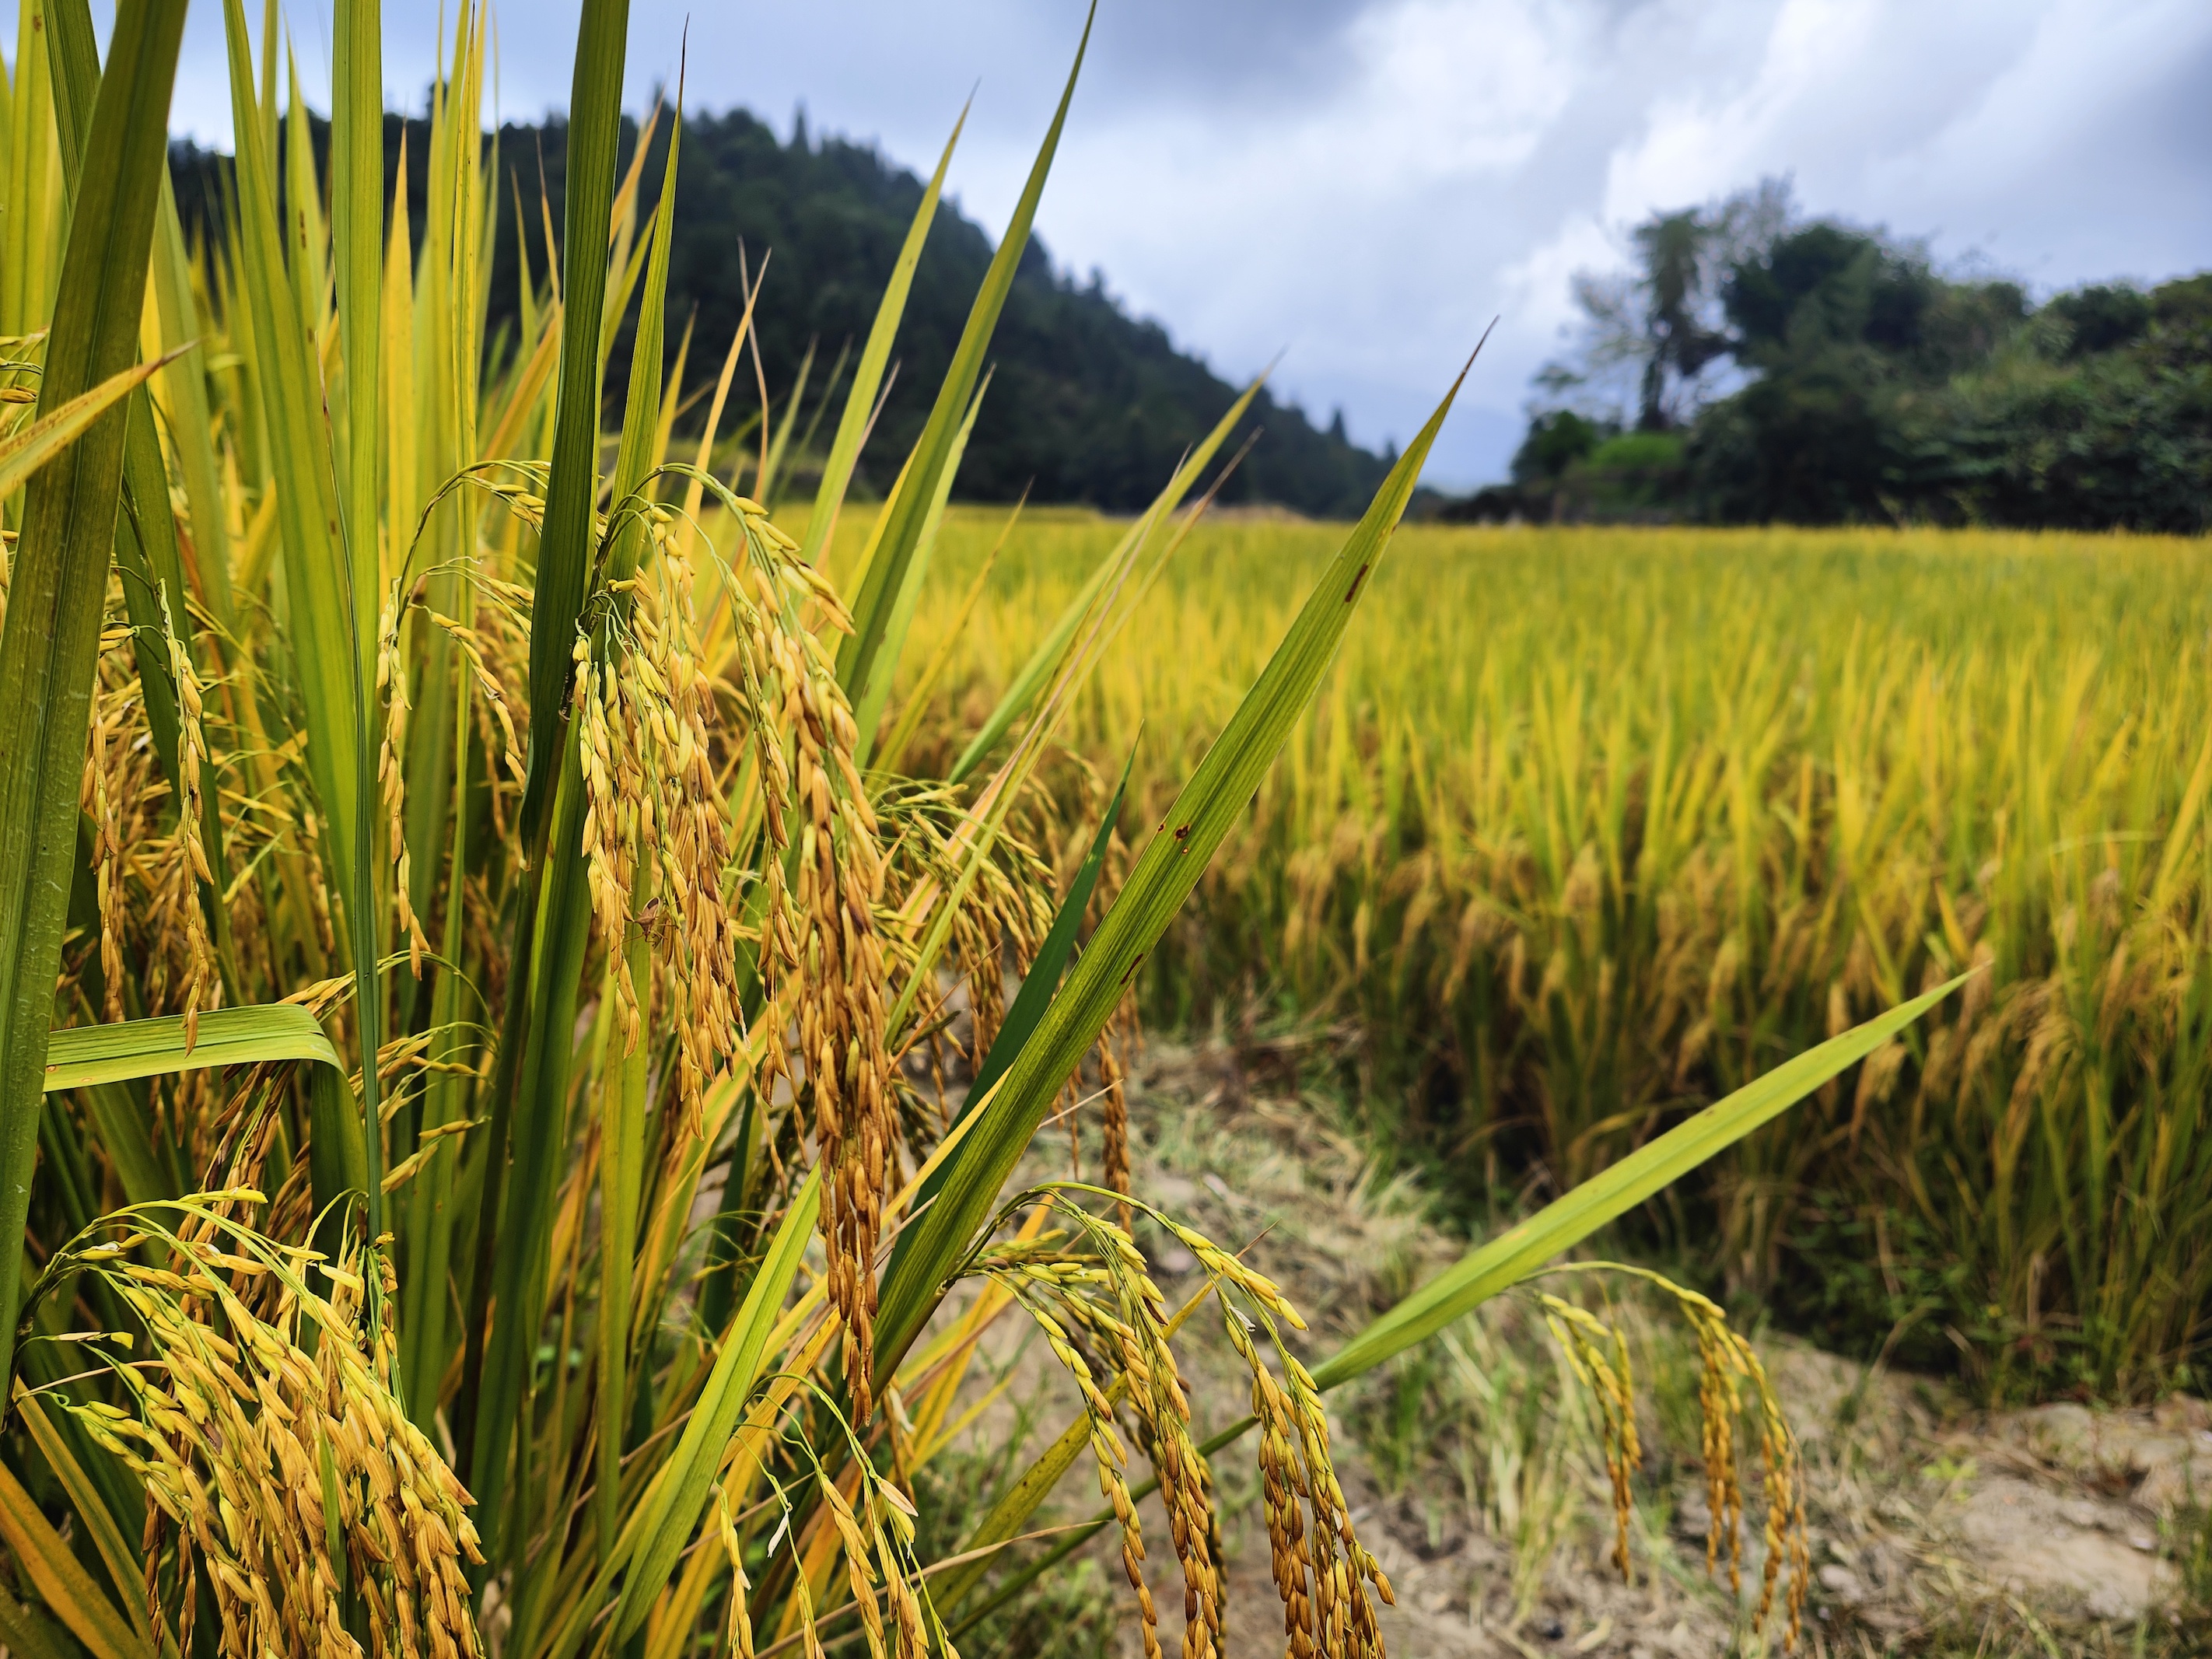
{"x":1823,"y":373}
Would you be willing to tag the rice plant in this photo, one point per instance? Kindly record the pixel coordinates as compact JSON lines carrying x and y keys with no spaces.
{"x":474,"y":983}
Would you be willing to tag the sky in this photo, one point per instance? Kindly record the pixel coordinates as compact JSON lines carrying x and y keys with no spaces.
{"x":1363,"y":186}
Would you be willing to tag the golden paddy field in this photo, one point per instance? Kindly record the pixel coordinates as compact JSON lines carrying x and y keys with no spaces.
{"x":1589,"y":826}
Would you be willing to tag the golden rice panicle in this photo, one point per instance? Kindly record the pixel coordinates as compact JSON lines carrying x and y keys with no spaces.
{"x":1782,"y":1466}
{"x":1040,"y":1279}
{"x":1346,"y":1616}
{"x":1105,"y":1292}
{"x":827,"y":961}
{"x":203,"y":985}
{"x":1162,"y":1408}
{"x":658,"y":838}
{"x":1597,"y":1353}
{"x":391,"y":772}
{"x":1283,"y":1491}
{"x":243,"y":1438}
{"x":614,"y":793}
{"x":1322,"y":1571}
{"x":475,"y":645}
{"x":1718,"y":1403}
{"x":1726,"y":1361}
{"x":698,"y":931}
{"x":859,"y":1570}
{"x":106,"y":756}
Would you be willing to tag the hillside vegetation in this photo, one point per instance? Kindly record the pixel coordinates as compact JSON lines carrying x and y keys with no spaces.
{"x":1087,"y":403}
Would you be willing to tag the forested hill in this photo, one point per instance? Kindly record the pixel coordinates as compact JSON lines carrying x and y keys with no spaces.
{"x":1088,"y":404}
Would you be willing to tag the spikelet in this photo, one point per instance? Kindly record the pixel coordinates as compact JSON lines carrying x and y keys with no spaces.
{"x":740,"y":1630}
{"x":614,"y":784}
{"x":318,"y":892}
{"x":473,"y":646}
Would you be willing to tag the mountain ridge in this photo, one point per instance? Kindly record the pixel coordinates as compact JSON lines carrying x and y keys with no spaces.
{"x":1089,"y":404}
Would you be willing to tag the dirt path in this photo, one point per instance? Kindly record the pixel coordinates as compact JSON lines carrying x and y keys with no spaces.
{"x":1474,"y":1474}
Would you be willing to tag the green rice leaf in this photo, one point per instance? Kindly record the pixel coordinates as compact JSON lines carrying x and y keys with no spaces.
{"x":1044,"y":662}
{"x":22,"y":454}
{"x":868,"y":710}
{"x":24,"y":1631}
{"x":641,"y":426}
{"x":90,"y":1508}
{"x":1560,"y":1225}
{"x":564,"y":545}
{"x":1043,"y":978}
{"x":146,"y":534}
{"x":289,"y":374}
{"x":45,"y":1562}
{"x":327,"y":657}
{"x":357,"y":186}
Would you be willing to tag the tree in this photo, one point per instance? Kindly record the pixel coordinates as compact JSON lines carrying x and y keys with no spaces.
{"x":1659,"y":329}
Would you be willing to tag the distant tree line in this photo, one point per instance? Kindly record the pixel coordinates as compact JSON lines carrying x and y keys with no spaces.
{"x":1086,"y":404}
{"x":1755,"y":368}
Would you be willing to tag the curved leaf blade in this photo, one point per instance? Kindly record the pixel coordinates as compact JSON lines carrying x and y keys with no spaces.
{"x":907,"y":512}
{"x":875,"y":357}
{"x":1044,"y":662}
{"x":67,"y":1589}
{"x":87,"y":1054}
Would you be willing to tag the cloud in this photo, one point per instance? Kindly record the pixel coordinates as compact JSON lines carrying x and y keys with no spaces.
{"x":1366,"y":183}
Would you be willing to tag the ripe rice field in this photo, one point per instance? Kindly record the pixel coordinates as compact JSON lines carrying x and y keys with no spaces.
{"x":488,"y":965}
{"x":1589,"y":826}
